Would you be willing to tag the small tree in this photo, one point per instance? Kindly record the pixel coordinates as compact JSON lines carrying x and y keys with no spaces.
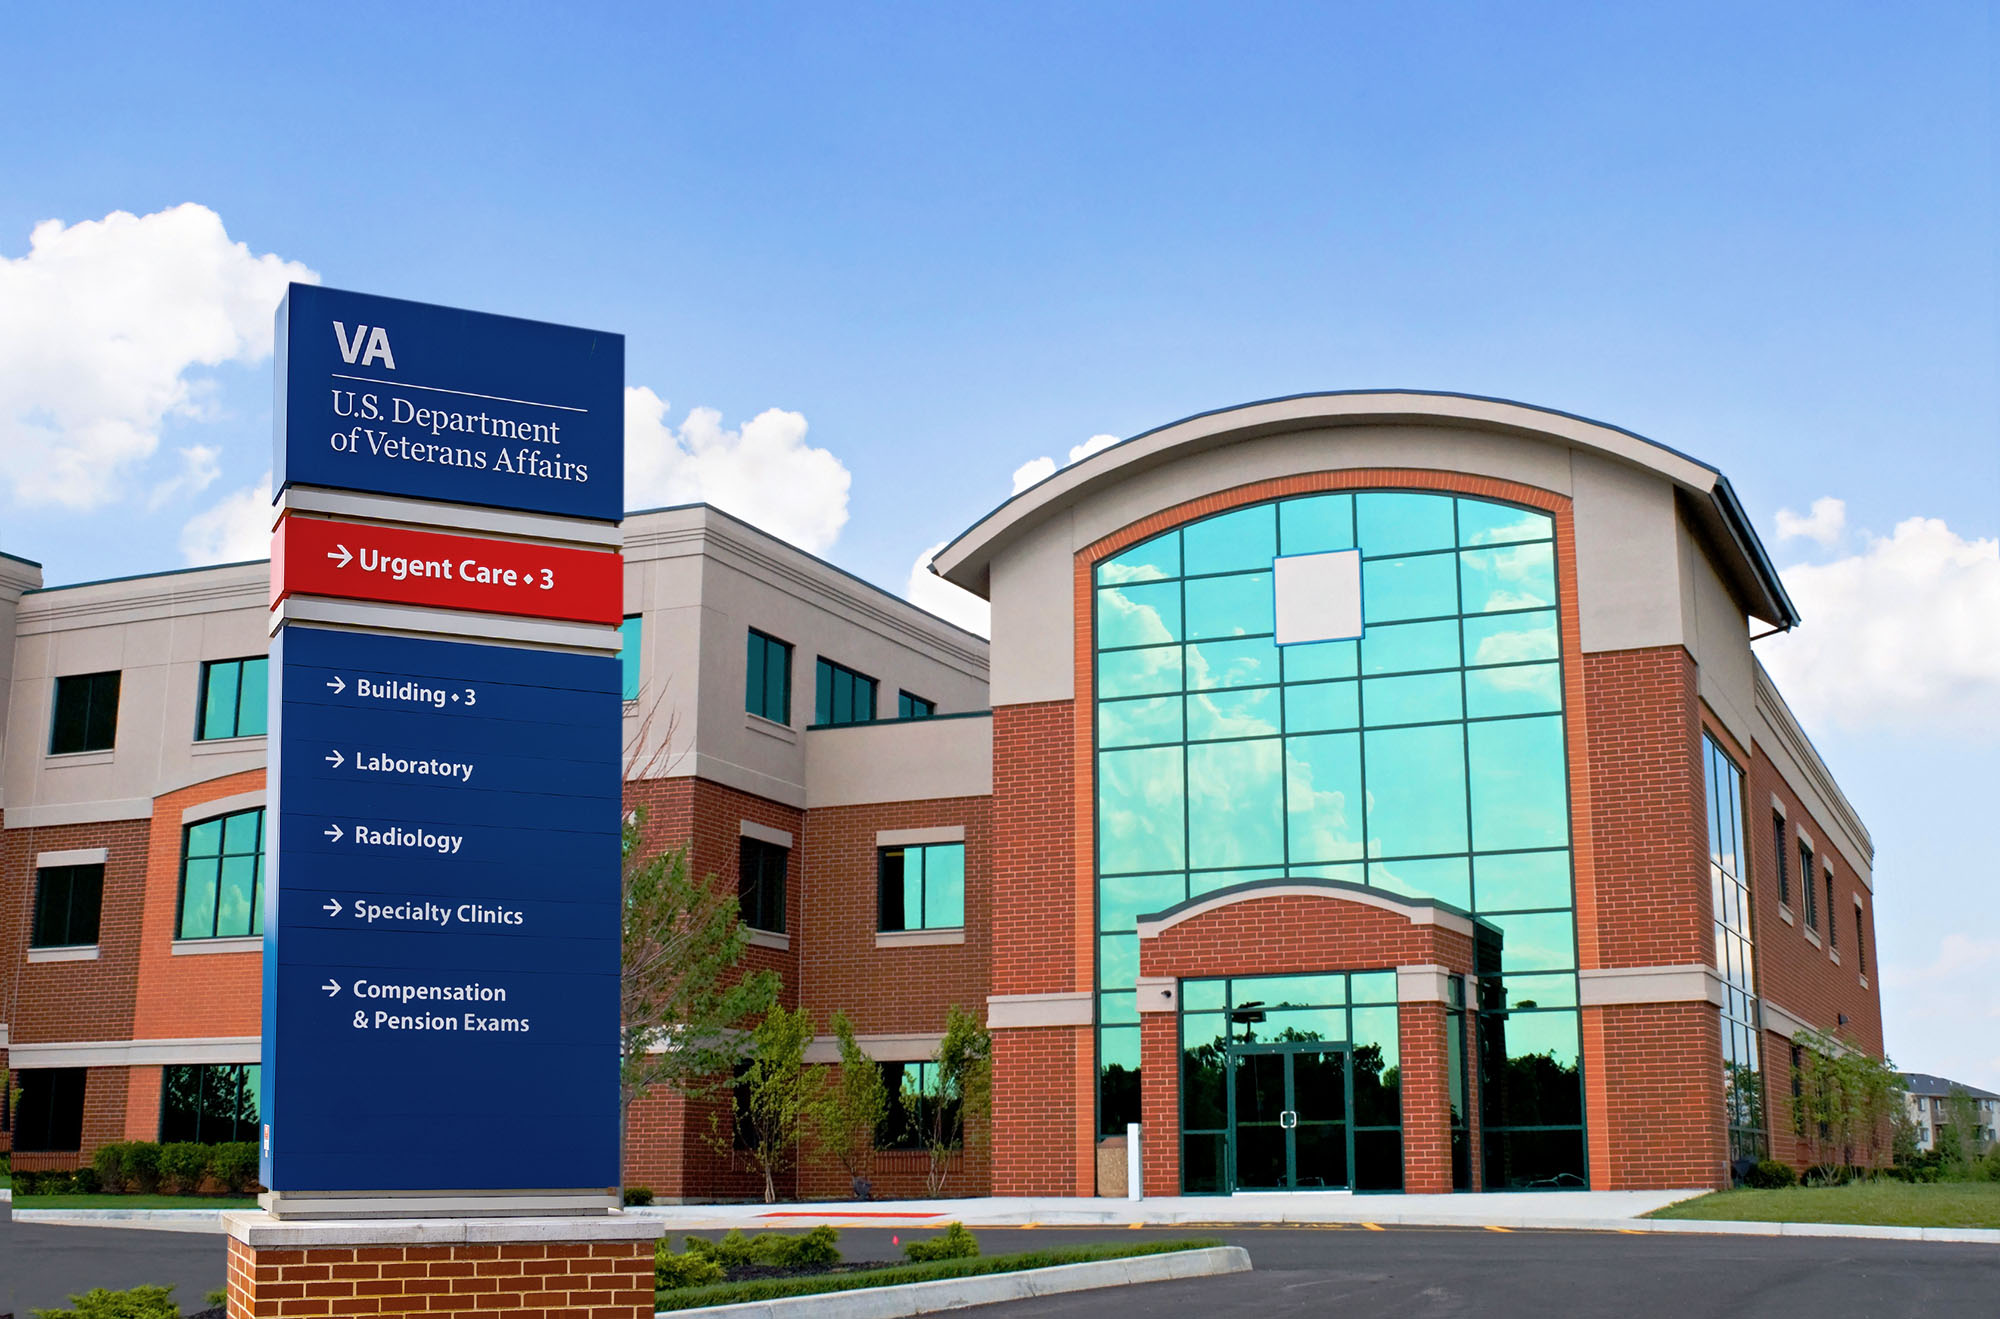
{"x":775,"y":1095}
{"x":851,"y":1108}
{"x":1846,"y":1102}
{"x":684,"y":1002}
{"x":960,"y":1098}
{"x":1958,"y":1136}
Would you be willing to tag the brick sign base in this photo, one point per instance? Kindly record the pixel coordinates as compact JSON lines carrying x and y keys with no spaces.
{"x":576,"y":1268}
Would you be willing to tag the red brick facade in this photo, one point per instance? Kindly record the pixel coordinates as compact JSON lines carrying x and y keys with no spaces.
{"x":593,"y":1280}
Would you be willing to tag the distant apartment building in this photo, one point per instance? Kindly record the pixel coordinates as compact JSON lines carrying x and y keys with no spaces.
{"x":1927,"y":1101}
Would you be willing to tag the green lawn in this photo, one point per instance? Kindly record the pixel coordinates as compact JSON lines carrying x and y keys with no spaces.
{"x":725,"y":1293}
{"x":135,"y":1202}
{"x":1893,"y":1204}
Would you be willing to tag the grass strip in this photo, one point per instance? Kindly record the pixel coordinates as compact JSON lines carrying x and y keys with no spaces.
{"x":732,"y":1293}
{"x":1886,"y":1204}
{"x":135,"y":1201}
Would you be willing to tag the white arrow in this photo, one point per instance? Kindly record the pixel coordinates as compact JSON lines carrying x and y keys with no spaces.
{"x":332,"y":907}
{"x":333,"y":831}
{"x":335,"y":759}
{"x":339,"y":684}
{"x":343,"y":556}
{"x":332,"y":987}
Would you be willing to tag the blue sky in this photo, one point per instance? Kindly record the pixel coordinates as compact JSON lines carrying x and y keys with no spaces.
{"x":949,"y":239}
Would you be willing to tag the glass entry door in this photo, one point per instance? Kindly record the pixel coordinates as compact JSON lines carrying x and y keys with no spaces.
{"x":1288,"y":1117}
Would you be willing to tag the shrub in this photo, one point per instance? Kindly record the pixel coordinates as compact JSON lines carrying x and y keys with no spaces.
{"x":86,"y":1181}
{"x":952,"y":1243}
{"x":142,"y":1165}
{"x":819,"y":1246}
{"x":771,"y":1249}
{"x":148,"y":1302}
{"x":235,"y":1165}
{"x":184,"y":1166}
{"x":1828,"y":1174}
{"x":638,"y":1195}
{"x":109,"y":1163}
{"x":1770,"y":1175}
{"x":689,"y":1269}
{"x":731,"y":1252}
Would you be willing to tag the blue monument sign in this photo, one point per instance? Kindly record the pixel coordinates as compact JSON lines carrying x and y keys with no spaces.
{"x":404,"y":398}
{"x":442,"y":927}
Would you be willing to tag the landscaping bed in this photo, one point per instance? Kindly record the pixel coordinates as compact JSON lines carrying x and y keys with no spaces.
{"x":73,"y":1200}
{"x":1881,"y":1203}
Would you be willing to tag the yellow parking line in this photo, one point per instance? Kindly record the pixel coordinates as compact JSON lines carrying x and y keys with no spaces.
{"x":1135,"y":1225}
{"x":1031,"y":1225}
{"x":1373,"y":1227}
{"x":1491,"y":1228}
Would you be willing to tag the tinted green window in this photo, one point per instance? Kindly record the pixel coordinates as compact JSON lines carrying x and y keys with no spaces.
{"x":86,"y":713}
{"x":67,"y":903}
{"x":222,"y":864}
{"x":922,"y":887}
{"x":842,"y":696}
{"x":914,"y":707}
{"x":760,"y":883}
{"x":1231,"y":542}
{"x":767,"y":684}
{"x":918,"y":1108}
{"x":234,"y":694}
{"x":210,"y":1104}
{"x":1735,"y":953}
{"x":631,"y":636}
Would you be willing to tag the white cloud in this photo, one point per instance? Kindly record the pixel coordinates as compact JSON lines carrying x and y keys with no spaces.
{"x":236,"y":528}
{"x":1825,"y":523}
{"x":927,"y":590}
{"x":1040,"y":469}
{"x":100,"y":325}
{"x":200,"y":466}
{"x":764,"y":473}
{"x":1903,"y":636}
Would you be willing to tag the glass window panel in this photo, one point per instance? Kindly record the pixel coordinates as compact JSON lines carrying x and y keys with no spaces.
{"x":1354,"y":874}
{"x":1303,"y":1024}
{"x":1511,"y":638}
{"x":1236,"y":807}
{"x":1416,"y":791}
{"x":1141,"y":810}
{"x":1252,"y":713}
{"x":239,"y":882}
{"x":1237,"y":606}
{"x":1201,"y":1163}
{"x":1533,"y":1160}
{"x":1117,"y":960}
{"x":1407,"y":647}
{"x":1411,"y":699}
{"x":1295,"y":991}
{"x":1315,"y":524}
{"x":1545,"y":941}
{"x":1483,"y":523}
{"x":239,"y":832}
{"x":1376,"y":1027}
{"x":1395,"y":589}
{"x":219,"y":700}
{"x":1372,"y":987}
{"x":1321,"y":659}
{"x":1378,"y":1159}
{"x":1208,"y":881}
{"x":1391,"y":522}
{"x":1203,"y":995}
{"x":1511,"y":577}
{"x":1539,"y":991}
{"x":1139,"y":722}
{"x":1249,"y":663}
{"x":1322,"y":707}
{"x":1139,"y":672}
{"x":944,"y":886}
{"x":1246,"y":538}
{"x":1323,"y":803}
{"x":1445,"y":879}
{"x":1123,"y":899}
{"x":253,"y":699}
{"x":1149,"y":560}
{"x":1118,"y":1078}
{"x":1529,"y":1069}
{"x":1139,"y":615}
{"x":1521,"y":880}
{"x":630,"y":633}
{"x":1520,"y":793}
{"x":205,"y":839}
{"x":1204,"y":1102}
{"x":1517,"y":689}
{"x":1118,"y":1009}
{"x":198,"y":899}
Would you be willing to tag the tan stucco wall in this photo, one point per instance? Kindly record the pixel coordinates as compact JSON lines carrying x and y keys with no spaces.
{"x":920,"y":760}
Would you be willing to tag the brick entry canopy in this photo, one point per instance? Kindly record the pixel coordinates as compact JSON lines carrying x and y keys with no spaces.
{"x":1295,"y":927}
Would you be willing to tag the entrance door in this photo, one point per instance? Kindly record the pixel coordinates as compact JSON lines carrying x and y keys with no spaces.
{"x":1288,"y":1117}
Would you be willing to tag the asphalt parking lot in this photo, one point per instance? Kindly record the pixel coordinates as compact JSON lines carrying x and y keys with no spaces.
{"x":1393,"y":1273}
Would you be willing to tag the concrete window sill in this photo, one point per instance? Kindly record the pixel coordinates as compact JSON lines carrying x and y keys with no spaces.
{"x":757,"y":723}
{"x":918,"y":938}
{"x":1785,"y":915}
{"x":771,"y":939}
{"x":66,"y":758}
{"x":1811,"y":937}
{"x":202,"y":947}
{"x":82,"y":952}
{"x":222,"y":746}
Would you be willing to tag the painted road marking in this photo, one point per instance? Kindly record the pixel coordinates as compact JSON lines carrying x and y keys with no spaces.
{"x":1491,"y":1228}
{"x":1373,"y":1227}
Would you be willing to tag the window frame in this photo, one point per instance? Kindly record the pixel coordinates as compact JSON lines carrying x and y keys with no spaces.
{"x":246,"y":1076}
{"x":882,"y":886}
{"x":1806,"y":874}
{"x":753,"y":648}
{"x":758,"y":886}
{"x":256,"y":929}
{"x":826,"y":674}
{"x":907,"y":702}
{"x":631,"y":668}
{"x":90,"y":716}
{"x":71,"y":873}
{"x":236,"y":715}
{"x":1784,"y":866}
{"x":1832,"y":914}
{"x":50,"y":1076}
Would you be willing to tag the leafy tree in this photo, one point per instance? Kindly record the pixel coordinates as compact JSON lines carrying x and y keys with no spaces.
{"x":775,"y":1095}
{"x":962,"y":1093}
{"x":1847,"y":1101}
{"x":843,"y":1123}
{"x":684,"y":1003}
{"x":1958,"y":1136}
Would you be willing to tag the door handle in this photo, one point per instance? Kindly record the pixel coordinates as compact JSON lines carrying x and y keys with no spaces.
{"x":1288,"y":1119}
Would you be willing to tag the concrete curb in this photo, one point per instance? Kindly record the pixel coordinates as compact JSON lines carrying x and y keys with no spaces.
{"x":153,"y":1220}
{"x":959,"y":1293}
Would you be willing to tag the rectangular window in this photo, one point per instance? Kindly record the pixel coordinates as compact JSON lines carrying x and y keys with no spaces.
{"x":1806,"y":885}
{"x":923,"y":888}
{"x":234,"y":694}
{"x":1832,"y":914}
{"x":914,"y":707}
{"x":222,"y":871}
{"x":767,"y":688}
{"x":631,"y":635}
{"x":67,"y":902}
{"x":1860,"y":942}
{"x":50,"y":1116}
{"x":1784,"y":862}
{"x":760,"y":884}
{"x":843,"y":696}
{"x":916,"y":1110}
{"x":86,"y":717}
{"x":209,"y":1104}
